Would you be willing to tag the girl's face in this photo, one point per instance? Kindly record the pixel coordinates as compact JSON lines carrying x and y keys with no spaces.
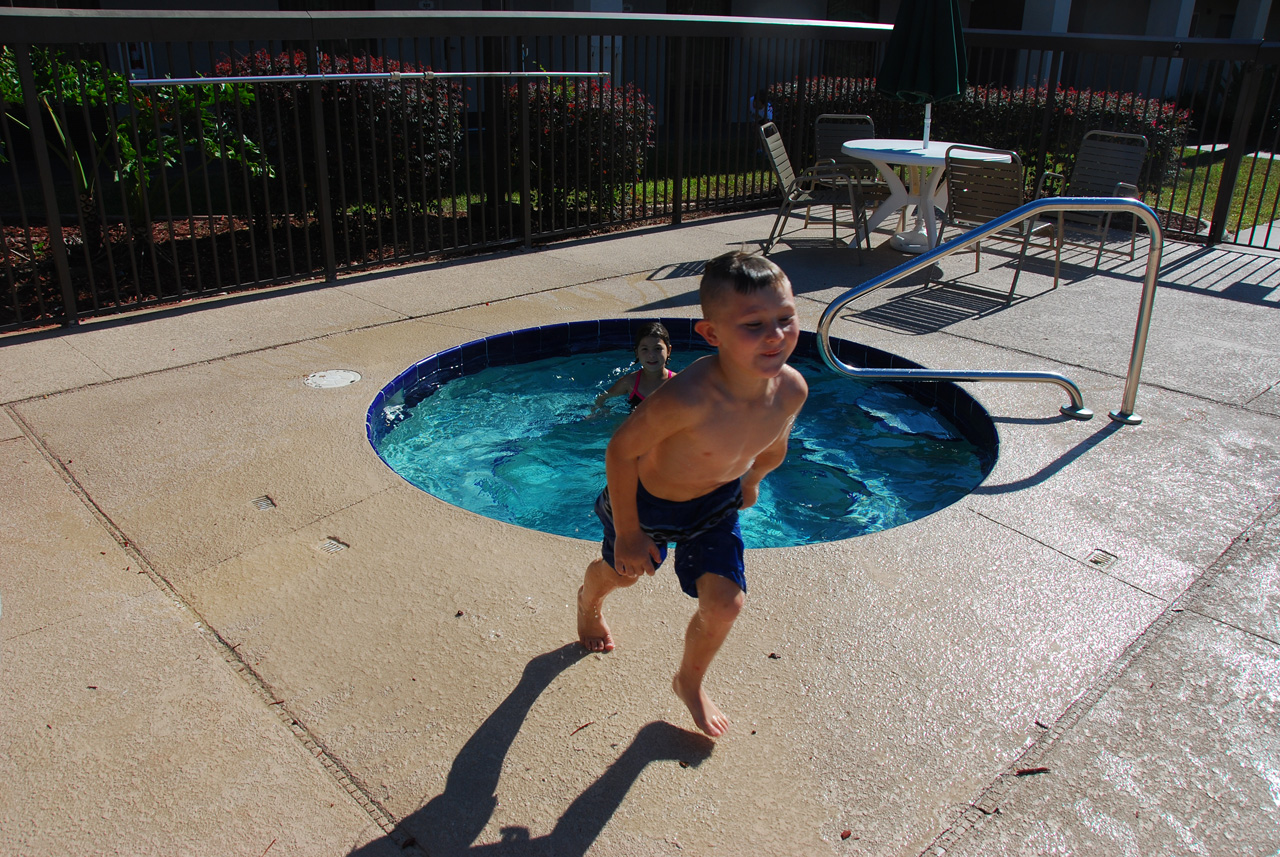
{"x":652,"y":353}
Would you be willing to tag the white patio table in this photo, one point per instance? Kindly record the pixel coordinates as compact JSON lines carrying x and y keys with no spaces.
{"x":924,"y":166}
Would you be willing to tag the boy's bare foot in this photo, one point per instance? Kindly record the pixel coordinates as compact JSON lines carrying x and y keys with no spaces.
{"x":593,"y":633}
{"x":705,"y":713}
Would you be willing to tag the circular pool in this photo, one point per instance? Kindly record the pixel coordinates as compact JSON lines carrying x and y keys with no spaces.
{"x":502,"y":426}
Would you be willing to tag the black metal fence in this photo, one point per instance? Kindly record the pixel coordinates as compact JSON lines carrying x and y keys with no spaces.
{"x":388,"y":137}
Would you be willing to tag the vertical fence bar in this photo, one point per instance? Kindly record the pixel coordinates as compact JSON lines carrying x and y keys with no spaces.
{"x":89,"y":213}
{"x":244,"y":181}
{"x":28,"y":244}
{"x":677,"y":191}
{"x":198,"y":98}
{"x":56,"y":246}
{"x":1050,"y":98}
{"x":208,"y":190}
{"x":320,"y":150}
{"x":264,"y":182}
{"x":277,"y":93}
{"x":1249,"y":86}
{"x":526,"y":193}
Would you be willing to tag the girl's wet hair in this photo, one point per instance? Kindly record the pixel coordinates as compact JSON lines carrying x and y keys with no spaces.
{"x":740,"y":272}
{"x":653,"y":328}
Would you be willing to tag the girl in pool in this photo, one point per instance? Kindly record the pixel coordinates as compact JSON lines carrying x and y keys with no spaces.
{"x":653,"y":350}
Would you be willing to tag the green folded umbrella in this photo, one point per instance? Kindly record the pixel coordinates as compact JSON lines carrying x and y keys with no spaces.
{"x":925,"y":59}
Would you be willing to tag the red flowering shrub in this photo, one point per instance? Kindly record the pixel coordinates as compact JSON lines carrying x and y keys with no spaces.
{"x":588,"y":142}
{"x":999,"y":117}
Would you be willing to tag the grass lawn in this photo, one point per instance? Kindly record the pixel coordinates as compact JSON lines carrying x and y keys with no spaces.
{"x":1253,"y":201}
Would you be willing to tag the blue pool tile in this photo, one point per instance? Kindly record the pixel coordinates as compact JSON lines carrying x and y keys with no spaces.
{"x":526,"y":343}
{"x":615,"y":333}
{"x":428,"y":368}
{"x":450,"y":366}
{"x":475,"y":356}
{"x":450,"y":360}
{"x":585,"y":335}
{"x":502,"y":349}
{"x":554,"y":339}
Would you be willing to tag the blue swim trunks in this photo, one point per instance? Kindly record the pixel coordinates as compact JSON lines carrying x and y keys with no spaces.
{"x":705,"y":530}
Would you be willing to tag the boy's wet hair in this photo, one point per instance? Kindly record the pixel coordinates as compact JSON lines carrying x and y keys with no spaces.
{"x":653,"y":328}
{"x":740,"y":272}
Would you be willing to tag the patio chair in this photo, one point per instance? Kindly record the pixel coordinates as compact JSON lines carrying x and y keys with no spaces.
{"x":825,"y":184}
{"x":1107,"y":164}
{"x":979,"y":191}
{"x":831,"y":130}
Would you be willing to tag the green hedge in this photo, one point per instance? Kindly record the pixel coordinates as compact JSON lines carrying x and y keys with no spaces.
{"x":385,"y":139}
{"x":999,"y":117}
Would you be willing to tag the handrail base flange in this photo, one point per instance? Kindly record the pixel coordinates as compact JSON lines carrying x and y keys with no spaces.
{"x":1081,"y":413}
{"x":1127,"y":419}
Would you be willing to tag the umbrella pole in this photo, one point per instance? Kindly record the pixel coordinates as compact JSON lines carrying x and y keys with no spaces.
{"x":928,"y":118}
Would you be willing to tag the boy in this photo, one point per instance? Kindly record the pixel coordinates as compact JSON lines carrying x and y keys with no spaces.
{"x":690,"y":456}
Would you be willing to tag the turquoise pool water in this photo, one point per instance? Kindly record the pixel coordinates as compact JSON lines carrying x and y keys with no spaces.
{"x":515,"y":443}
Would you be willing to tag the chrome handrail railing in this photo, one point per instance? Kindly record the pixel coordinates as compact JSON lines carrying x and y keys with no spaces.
{"x":1075,"y":410}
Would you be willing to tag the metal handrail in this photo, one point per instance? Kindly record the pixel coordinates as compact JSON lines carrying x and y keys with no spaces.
{"x":1075,"y":410}
{"x":372,"y":75}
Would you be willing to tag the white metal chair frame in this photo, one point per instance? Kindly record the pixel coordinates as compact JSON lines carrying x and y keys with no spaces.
{"x":1107,"y":164}
{"x":979,"y":191}
{"x":833,"y":130}
{"x":821,"y":184}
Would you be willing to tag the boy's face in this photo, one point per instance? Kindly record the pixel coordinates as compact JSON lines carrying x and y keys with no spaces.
{"x":756,"y":332}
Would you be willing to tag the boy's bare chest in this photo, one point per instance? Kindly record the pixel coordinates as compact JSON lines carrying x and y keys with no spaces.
{"x":728,"y":438}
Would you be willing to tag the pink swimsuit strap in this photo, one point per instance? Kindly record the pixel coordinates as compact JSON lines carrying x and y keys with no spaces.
{"x":635,"y":388}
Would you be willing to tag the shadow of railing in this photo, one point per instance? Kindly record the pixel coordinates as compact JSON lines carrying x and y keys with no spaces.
{"x":1249,"y":279}
{"x":1053,"y":467}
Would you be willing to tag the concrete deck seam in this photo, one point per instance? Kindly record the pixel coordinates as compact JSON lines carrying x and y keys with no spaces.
{"x":302,"y":526}
{"x":1233,"y":626}
{"x":72,"y":345}
{"x":988,"y":802}
{"x":1063,"y":553}
{"x":209,"y":361}
{"x":318,"y":338}
{"x":254,"y":681}
{"x":1260,"y":395}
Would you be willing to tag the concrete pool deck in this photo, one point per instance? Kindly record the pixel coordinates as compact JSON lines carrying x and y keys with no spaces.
{"x":187,"y":673}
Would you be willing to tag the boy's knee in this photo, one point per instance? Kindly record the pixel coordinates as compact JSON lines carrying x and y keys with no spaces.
{"x":609,"y":575}
{"x":720,"y":601}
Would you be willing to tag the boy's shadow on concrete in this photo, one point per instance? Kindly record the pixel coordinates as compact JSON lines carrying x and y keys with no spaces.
{"x":450,"y":822}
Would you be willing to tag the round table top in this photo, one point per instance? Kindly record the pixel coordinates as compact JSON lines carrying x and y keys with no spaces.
{"x":911,"y":151}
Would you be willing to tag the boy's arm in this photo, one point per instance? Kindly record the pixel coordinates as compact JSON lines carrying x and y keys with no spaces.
{"x":767,"y":461}
{"x":774,"y":454}
{"x":658,"y":417}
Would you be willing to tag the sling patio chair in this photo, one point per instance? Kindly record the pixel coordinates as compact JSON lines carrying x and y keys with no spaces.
{"x":831,"y":132}
{"x":825,"y":184}
{"x":1107,"y":164}
{"x":981,"y":189}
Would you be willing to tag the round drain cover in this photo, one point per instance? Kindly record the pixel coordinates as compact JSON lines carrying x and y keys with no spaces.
{"x":331,"y":378}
